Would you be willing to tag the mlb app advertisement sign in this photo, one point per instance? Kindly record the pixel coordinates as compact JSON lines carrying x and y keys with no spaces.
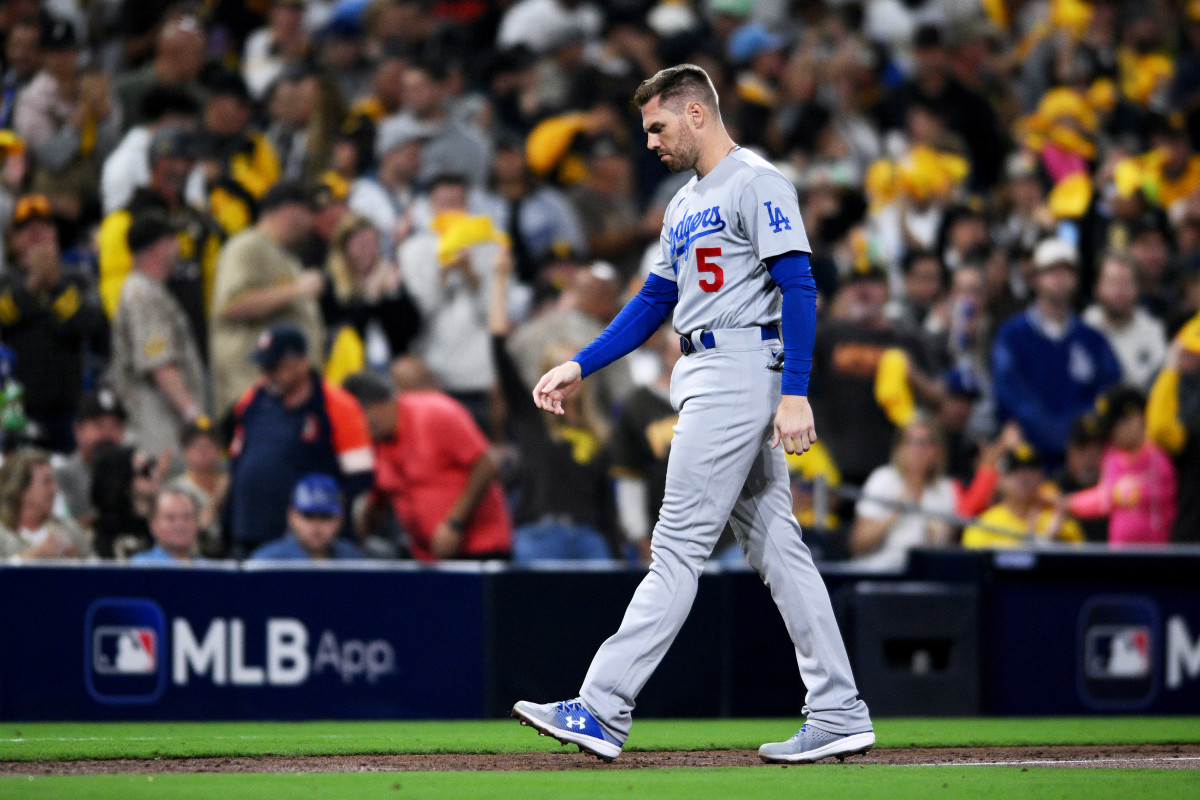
{"x":132,"y":657}
{"x":121,"y":643}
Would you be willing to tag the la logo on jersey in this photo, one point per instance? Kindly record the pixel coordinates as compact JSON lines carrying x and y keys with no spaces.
{"x":776,"y":219}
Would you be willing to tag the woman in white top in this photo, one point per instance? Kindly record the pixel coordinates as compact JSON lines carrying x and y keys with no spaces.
{"x":28,"y":526}
{"x":890,"y":516}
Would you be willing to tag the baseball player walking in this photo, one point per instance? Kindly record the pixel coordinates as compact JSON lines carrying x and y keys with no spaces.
{"x":734,"y":264}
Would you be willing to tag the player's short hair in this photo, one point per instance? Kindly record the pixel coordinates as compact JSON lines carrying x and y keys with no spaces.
{"x":678,"y":85}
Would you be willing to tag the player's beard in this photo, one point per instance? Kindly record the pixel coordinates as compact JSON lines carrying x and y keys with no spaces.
{"x":686,"y":153}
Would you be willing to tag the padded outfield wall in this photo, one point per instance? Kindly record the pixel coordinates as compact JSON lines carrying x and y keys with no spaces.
{"x":1039,"y":632}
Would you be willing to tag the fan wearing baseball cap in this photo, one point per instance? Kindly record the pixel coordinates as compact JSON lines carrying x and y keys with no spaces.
{"x":1048,"y":367}
{"x":291,"y":423}
{"x":1027,"y":510}
{"x":48,"y":311}
{"x":314,"y":517}
{"x":259,"y":284}
{"x":156,"y":363}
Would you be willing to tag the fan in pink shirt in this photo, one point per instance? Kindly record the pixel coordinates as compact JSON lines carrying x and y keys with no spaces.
{"x":1137,"y":480}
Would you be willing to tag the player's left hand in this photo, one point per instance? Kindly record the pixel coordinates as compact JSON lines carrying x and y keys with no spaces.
{"x":794,"y":425}
{"x":556,"y":385}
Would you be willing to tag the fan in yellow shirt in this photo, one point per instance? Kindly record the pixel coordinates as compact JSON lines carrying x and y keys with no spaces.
{"x":1024,"y":514}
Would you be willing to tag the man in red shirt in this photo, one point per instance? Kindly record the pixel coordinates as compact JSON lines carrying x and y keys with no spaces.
{"x":433,"y":465}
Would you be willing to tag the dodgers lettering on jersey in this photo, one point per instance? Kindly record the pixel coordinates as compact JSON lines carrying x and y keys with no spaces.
{"x":716,"y":235}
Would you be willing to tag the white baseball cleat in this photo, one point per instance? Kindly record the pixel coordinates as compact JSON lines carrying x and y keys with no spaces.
{"x":810,"y":743}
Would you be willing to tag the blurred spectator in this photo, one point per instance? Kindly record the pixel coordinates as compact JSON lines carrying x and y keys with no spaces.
{"x":314,"y":518}
{"x":606,"y":203}
{"x":22,"y":60}
{"x":1047,"y":366}
{"x":455,"y":143}
{"x":960,"y":328}
{"x":448,"y":271}
{"x":850,"y":346}
{"x":386,"y":197}
{"x":905,"y":504}
{"x":329,"y":195}
{"x":156,"y":366}
{"x":540,"y":221}
{"x":179,"y":52}
{"x":259,"y":284}
{"x":924,"y":282}
{"x":287,"y":425}
{"x":365,"y":301}
{"x":1081,"y":469}
{"x":1151,"y":250}
{"x":175,"y":526}
{"x":563,"y":503}
{"x":758,"y":54}
{"x":1026,"y":216}
{"x":1137,"y":481}
{"x":128,"y":167}
{"x":1137,"y":338}
{"x":238,"y":162}
{"x":100,"y":420}
{"x":305,"y":112}
{"x":1173,"y":423}
{"x":369,"y":109}
{"x":270,"y":49}
{"x":48,"y":313}
{"x":204,"y":477}
{"x":933,"y":86}
{"x":639,"y":446}
{"x":434,"y":472}
{"x":954,"y":414}
{"x":581,"y":312}
{"x":1026,"y":514}
{"x":539,"y":24}
{"x":29,"y":527}
{"x":199,"y":238}
{"x":124,"y":483}
{"x":70,"y":122}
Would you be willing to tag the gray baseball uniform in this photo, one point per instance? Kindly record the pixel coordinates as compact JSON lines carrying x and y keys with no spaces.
{"x":716,"y":235}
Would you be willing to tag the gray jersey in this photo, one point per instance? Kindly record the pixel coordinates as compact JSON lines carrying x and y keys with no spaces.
{"x":717,"y":233}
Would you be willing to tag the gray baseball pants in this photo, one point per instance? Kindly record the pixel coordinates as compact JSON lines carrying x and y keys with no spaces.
{"x":721,"y":467}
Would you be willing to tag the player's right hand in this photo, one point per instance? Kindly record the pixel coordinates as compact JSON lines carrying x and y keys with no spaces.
{"x":556,"y":385}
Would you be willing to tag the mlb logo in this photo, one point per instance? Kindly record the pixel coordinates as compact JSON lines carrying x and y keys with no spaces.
{"x":1118,"y":652}
{"x":1118,"y":665}
{"x":124,"y":642}
{"x":124,"y":650}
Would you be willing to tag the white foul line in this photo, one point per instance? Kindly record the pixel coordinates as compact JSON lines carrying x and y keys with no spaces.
{"x":1053,"y":761}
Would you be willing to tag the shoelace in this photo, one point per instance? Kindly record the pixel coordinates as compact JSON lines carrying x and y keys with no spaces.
{"x":570,"y":705}
{"x":815,"y":732}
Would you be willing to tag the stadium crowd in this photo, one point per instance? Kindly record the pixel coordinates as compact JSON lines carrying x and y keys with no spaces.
{"x":278,"y":275}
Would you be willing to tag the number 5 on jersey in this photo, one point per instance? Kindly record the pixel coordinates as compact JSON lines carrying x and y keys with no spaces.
{"x":703,"y":254}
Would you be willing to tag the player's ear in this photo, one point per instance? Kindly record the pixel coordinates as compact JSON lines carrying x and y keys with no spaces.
{"x":695,"y":113}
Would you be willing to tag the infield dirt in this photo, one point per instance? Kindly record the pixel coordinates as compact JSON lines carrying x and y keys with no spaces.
{"x":1134,"y":756}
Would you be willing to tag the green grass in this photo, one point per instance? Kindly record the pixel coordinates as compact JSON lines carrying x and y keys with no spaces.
{"x":66,"y":741}
{"x":827,"y":782}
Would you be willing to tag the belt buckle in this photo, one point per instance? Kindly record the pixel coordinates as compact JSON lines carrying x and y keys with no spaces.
{"x":685,"y":345}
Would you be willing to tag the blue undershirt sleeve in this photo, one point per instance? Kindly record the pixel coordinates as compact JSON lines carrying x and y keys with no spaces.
{"x":635,"y":323}
{"x":793,"y":274}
